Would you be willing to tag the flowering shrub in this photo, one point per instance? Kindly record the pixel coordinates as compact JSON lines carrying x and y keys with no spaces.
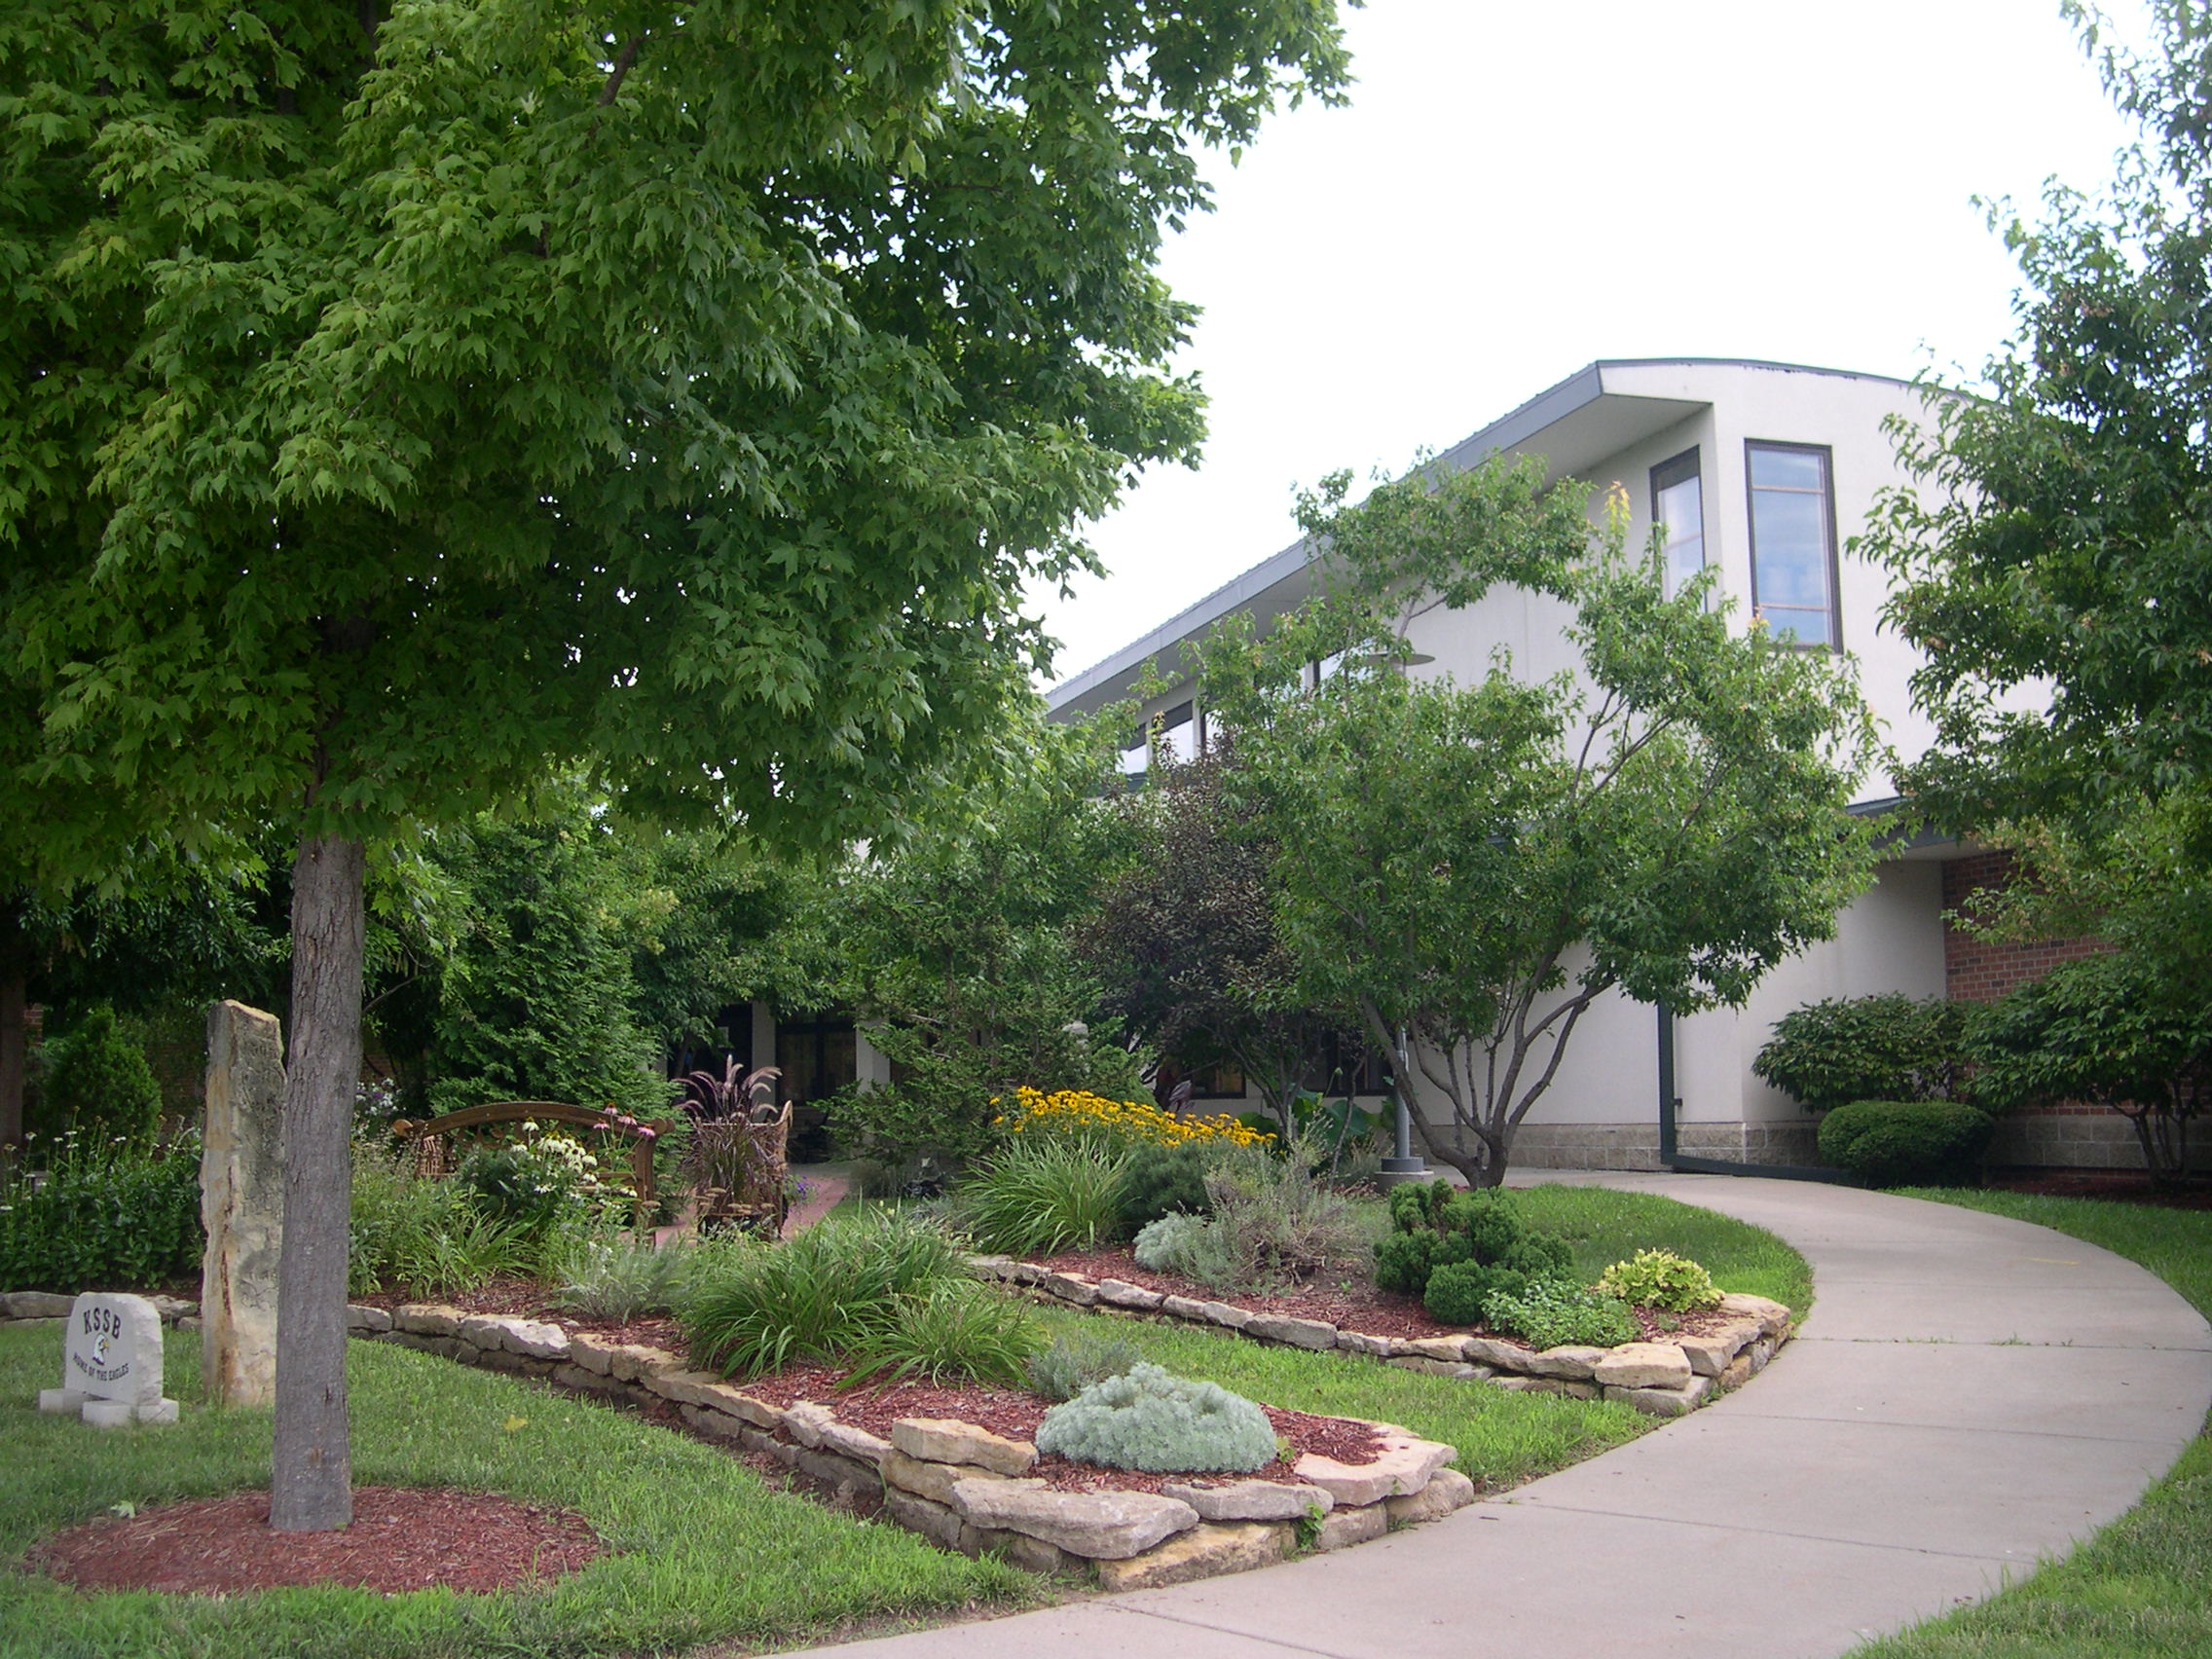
{"x":534,"y":1180}
{"x":1078,"y":1112}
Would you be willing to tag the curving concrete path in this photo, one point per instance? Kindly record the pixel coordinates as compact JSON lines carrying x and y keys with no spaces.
{"x":1968,"y":1394}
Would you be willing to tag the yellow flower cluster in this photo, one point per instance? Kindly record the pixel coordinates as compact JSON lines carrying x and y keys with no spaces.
{"x":1076,"y":1111}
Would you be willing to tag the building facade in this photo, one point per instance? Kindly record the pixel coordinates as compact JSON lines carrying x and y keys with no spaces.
{"x":1763,"y":473}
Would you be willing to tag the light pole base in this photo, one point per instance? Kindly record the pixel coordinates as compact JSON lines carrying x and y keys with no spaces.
{"x":1397,"y":1171}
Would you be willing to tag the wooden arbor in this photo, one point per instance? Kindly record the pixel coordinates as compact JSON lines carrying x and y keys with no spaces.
{"x":432,"y":1137}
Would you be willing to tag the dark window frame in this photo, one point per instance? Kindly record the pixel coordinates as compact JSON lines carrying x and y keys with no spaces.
{"x":1665,"y":476}
{"x":1826,"y":456}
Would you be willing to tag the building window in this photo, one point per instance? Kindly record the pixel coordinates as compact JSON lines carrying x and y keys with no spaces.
{"x":1177,"y":731}
{"x":1677,"y":509}
{"x":1794,"y":575}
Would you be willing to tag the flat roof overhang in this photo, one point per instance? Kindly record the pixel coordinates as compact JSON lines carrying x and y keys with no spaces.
{"x":1572,"y":425}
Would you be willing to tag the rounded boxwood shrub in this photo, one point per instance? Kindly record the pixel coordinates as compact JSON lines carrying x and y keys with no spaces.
{"x":1908,"y":1143}
{"x":1148,"y":1419}
{"x":1455,"y":1293}
{"x":1164,"y":1180}
{"x":97,"y":1080}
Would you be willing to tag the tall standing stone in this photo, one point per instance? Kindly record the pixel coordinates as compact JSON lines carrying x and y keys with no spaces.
{"x":242,"y":1201}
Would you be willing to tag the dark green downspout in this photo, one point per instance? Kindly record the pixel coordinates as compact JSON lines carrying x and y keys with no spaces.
{"x":1672,"y":1158}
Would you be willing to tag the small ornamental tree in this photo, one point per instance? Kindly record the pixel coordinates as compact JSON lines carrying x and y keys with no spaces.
{"x":2105,"y":1029}
{"x":1185,"y":936}
{"x":1474,"y":865}
{"x":397,"y":403}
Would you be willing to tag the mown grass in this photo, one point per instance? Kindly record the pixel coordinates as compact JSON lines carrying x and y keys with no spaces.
{"x":1606,"y":1225}
{"x":701,"y":1549}
{"x":2141,"y":1588}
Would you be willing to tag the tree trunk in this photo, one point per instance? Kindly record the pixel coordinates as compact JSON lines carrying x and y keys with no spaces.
{"x":13,"y":1043}
{"x":15,"y":975}
{"x":310,"y":1489}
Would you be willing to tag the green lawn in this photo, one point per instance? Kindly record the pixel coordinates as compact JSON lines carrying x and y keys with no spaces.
{"x":702,"y":1549}
{"x":1606,"y":1227}
{"x":2142,"y":1588}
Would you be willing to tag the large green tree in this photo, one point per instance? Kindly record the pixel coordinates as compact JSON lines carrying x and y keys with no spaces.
{"x":398,"y":400}
{"x":2053,"y":556}
{"x":1473,"y":865}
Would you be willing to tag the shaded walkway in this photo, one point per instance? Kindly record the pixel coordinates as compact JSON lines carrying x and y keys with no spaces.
{"x":1968,"y":1394}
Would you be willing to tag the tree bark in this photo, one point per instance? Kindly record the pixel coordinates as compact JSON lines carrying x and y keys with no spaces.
{"x":310,"y":1489}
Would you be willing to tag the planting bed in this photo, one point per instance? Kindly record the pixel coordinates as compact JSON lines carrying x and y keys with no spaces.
{"x":1666,"y":1375}
{"x":963,"y":1485}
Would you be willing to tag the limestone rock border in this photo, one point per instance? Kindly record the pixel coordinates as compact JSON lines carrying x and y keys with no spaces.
{"x":962,"y":1487}
{"x":1666,"y":1379}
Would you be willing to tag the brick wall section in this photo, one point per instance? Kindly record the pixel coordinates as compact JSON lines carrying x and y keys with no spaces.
{"x":1975,"y":969}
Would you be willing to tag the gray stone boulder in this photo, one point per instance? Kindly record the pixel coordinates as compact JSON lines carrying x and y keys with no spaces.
{"x":1099,"y":1525}
{"x":1252,"y":1500}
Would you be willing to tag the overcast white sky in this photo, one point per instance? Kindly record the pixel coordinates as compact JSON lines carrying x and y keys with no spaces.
{"x":1517,"y":191}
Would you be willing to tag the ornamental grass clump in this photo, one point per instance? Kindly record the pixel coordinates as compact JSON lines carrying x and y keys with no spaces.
{"x":761,"y":1307}
{"x":1148,"y":1420}
{"x":1040,"y":1195}
{"x":958,"y":1329}
{"x":1661,"y":1279}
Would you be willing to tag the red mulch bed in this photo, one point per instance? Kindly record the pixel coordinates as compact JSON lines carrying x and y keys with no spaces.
{"x":2119,"y":1187}
{"x":402,"y":1538}
{"x":1350,"y":1302}
{"x":1017,"y":1413}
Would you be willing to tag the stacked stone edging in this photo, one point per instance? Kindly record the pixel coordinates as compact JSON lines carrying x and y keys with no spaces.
{"x":1662,"y":1379}
{"x":962,"y":1487}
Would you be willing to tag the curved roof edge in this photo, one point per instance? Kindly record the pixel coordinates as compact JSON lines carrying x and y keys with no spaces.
{"x":1554,"y":403}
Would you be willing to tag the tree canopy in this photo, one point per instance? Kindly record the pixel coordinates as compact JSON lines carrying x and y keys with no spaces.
{"x":2054,"y":554}
{"x":1475,"y":864}
{"x":398,"y":404}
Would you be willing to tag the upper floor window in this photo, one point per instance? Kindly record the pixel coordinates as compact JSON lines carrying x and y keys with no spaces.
{"x":1678,"y":508}
{"x":1793,"y":577}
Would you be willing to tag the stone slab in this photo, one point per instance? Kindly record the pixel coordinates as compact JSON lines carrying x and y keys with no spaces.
{"x":1205,"y":1551}
{"x":1314,"y":1334}
{"x":1098,"y":1526}
{"x":1252,"y":1500}
{"x":1643,"y":1365}
{"x":1343,"y":1528}
{"x":1404,"y":1465}
{"x":947,"y":1440}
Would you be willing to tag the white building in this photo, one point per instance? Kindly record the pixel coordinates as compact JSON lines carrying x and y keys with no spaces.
{"x":1765,"y":471}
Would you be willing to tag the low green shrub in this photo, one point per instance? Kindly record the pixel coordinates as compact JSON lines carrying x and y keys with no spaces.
{"x":1161,"y":1180}
{"x":617,"y":1278}
{"x":1457,"y":1290}
{"x":956,"y":1329}
{"x":95,"y":1214}
{"x":762,"y":1306}
{"x":1044,"y":1194}
{"x":1661,"y":1279}
{"x":97,"y":1081}
{"x":1550,"y":1312}
{"x":1908,"y":1143}
{"x":1437,"y":1227}
{"x":1147,"y":1419}
{"x":426,"y":1238}
{"x":1073,"y":1364}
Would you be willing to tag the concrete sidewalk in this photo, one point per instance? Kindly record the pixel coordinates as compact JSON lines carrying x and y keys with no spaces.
{"x":1970,"y":1394}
